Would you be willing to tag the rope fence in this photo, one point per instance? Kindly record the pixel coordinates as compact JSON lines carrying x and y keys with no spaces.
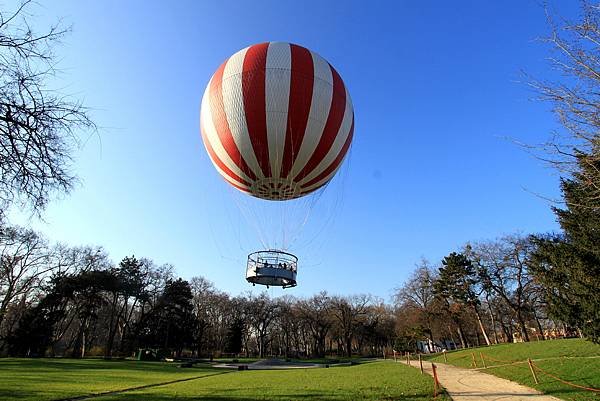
{"x":483,"y":357}
{"x":436,"y":382}
{"x":533,"y":368}
{"x":498,"y":360}
{"x":568,"y":383}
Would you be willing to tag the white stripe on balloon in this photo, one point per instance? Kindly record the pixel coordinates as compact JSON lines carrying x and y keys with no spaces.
{"x":212,"y":137}
{"x":277,"y":82}
{"x":337,"y":145}
{"x":233,"y":102}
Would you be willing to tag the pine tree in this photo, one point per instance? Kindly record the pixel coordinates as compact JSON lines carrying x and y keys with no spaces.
{"x":568,"y":265}
{"x":456,"y":286}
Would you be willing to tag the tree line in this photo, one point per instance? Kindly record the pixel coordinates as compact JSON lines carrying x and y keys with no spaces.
{"x":57,"y":300}
{"x":61,"y":301}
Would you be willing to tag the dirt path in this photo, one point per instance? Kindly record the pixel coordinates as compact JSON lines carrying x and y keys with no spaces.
{"x":472,"y":385}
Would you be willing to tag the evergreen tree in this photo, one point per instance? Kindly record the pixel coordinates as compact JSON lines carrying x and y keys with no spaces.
{"x":568,"y":265}
{"x":456,"y":285}
{"x":235,"y":336}
{"x":170,"y":325}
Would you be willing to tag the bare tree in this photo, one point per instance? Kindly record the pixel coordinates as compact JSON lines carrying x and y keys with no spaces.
{"x":24,"y":258}
{"x":349,"y":313}
{"x":315,"y":313}
{"x":418,"y":295}
{"x":503,"y":268}
{"x":204,"y":306}
{"x":576,"y":97}
{"x":262,"y":312}
{"x":38,"y":124}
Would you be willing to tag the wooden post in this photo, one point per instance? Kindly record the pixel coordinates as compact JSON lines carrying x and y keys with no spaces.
{"x":482,"y":360}
{"x":408,"y":358}
{"x":384,"y":354}
{"x":394,"y":351}
{"x":474,"y":361}
{"x":535,"y":379}
{"x":445,"y":357}
{"x":421,"y":364}
{"x":435,"y":380}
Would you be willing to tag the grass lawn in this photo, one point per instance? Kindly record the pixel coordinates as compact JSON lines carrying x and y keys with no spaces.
{"x":52,"y":379}
{"x":573,"y":360}
{"x":368,"y":381}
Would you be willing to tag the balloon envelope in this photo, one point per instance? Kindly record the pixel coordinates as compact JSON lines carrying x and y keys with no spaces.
{"x":276,"y":120}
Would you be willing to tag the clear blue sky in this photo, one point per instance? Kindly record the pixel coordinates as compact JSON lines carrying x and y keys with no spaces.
{"x":435,"y":91}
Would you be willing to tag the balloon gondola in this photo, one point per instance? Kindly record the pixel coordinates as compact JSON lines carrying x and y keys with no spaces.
{"x":277,"y":121}
{"x":272,"y":268}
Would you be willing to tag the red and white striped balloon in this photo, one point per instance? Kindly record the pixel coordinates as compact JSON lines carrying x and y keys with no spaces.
{"x":276,"y":120}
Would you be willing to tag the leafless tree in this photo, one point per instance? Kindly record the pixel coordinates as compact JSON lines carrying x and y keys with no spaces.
{"x":503,"y":269}
{"x":38,"y":124}
{"x":202,"y":289}
{"x":576,"y":96}
{"x":315,"y":313}
{"x":417,"y":294}
{"x":24,"y":257}
{"x":349,"y":313}
{"x":262,"y":312}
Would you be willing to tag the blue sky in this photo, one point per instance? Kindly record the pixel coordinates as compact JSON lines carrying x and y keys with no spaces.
{"x":436,"y":92}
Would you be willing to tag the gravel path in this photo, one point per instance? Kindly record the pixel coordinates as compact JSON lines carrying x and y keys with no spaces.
{"x":472,"y":385}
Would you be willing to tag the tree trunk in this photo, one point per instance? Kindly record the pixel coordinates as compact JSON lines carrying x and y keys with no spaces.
{"x":349,"y":346}
{"x":539,"y":325}
{"x":451,"y":337}
{"x":112,"y":329}
{"x":523,"y":326}
{"x":481,"y":326}
{"x":493,"y":323}
{"x":461,"y":336}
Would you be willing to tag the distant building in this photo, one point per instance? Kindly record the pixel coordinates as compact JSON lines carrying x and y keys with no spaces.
{"x":430,"y":347}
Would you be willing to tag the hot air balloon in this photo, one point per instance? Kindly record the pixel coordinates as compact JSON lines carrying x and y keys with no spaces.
{"x":277,"y":121}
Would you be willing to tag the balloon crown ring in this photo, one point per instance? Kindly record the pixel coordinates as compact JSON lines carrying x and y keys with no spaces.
{"x":276,"y":189}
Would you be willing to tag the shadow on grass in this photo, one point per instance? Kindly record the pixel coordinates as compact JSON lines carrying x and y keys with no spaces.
{"x":17,"y":395}
{"x":316,"y":396}
{"x":137,"y":388}
{"x":86,"y":364}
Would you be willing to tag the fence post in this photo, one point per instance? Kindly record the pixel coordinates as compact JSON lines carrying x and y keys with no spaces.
{"x":395,"y":356}
{"x":445,"y":357}
{"x":408,"y":358}
{"x":474,"y":361}
{"x":482,"y":360}
{"x":535,"y":379}
{"x":421,"y":364}
{"x":435,"y":380}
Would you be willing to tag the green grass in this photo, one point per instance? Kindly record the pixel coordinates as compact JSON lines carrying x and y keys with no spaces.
{"x":573,"y":360}
{"x":369,"y":381}
{"x":48,"y":379}
{"x":581,"y":371}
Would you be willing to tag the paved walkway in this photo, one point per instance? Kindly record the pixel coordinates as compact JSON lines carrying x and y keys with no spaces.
{"x":472,"y":385}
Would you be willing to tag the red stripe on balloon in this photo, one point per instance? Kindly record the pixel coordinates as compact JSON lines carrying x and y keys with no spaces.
{"x":301,"y":90}
{"x":243,"y":189}
{"x":253,"y":87}
{"x":215,"y":158}
{"x":332,"y":126}
{"x":334,"y":165}
{"x":219,"y":118}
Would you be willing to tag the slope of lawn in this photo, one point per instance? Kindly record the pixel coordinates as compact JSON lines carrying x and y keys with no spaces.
{"x":573,"y":360}
{"x":50,"y":379}
{"x":383,"y":380}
